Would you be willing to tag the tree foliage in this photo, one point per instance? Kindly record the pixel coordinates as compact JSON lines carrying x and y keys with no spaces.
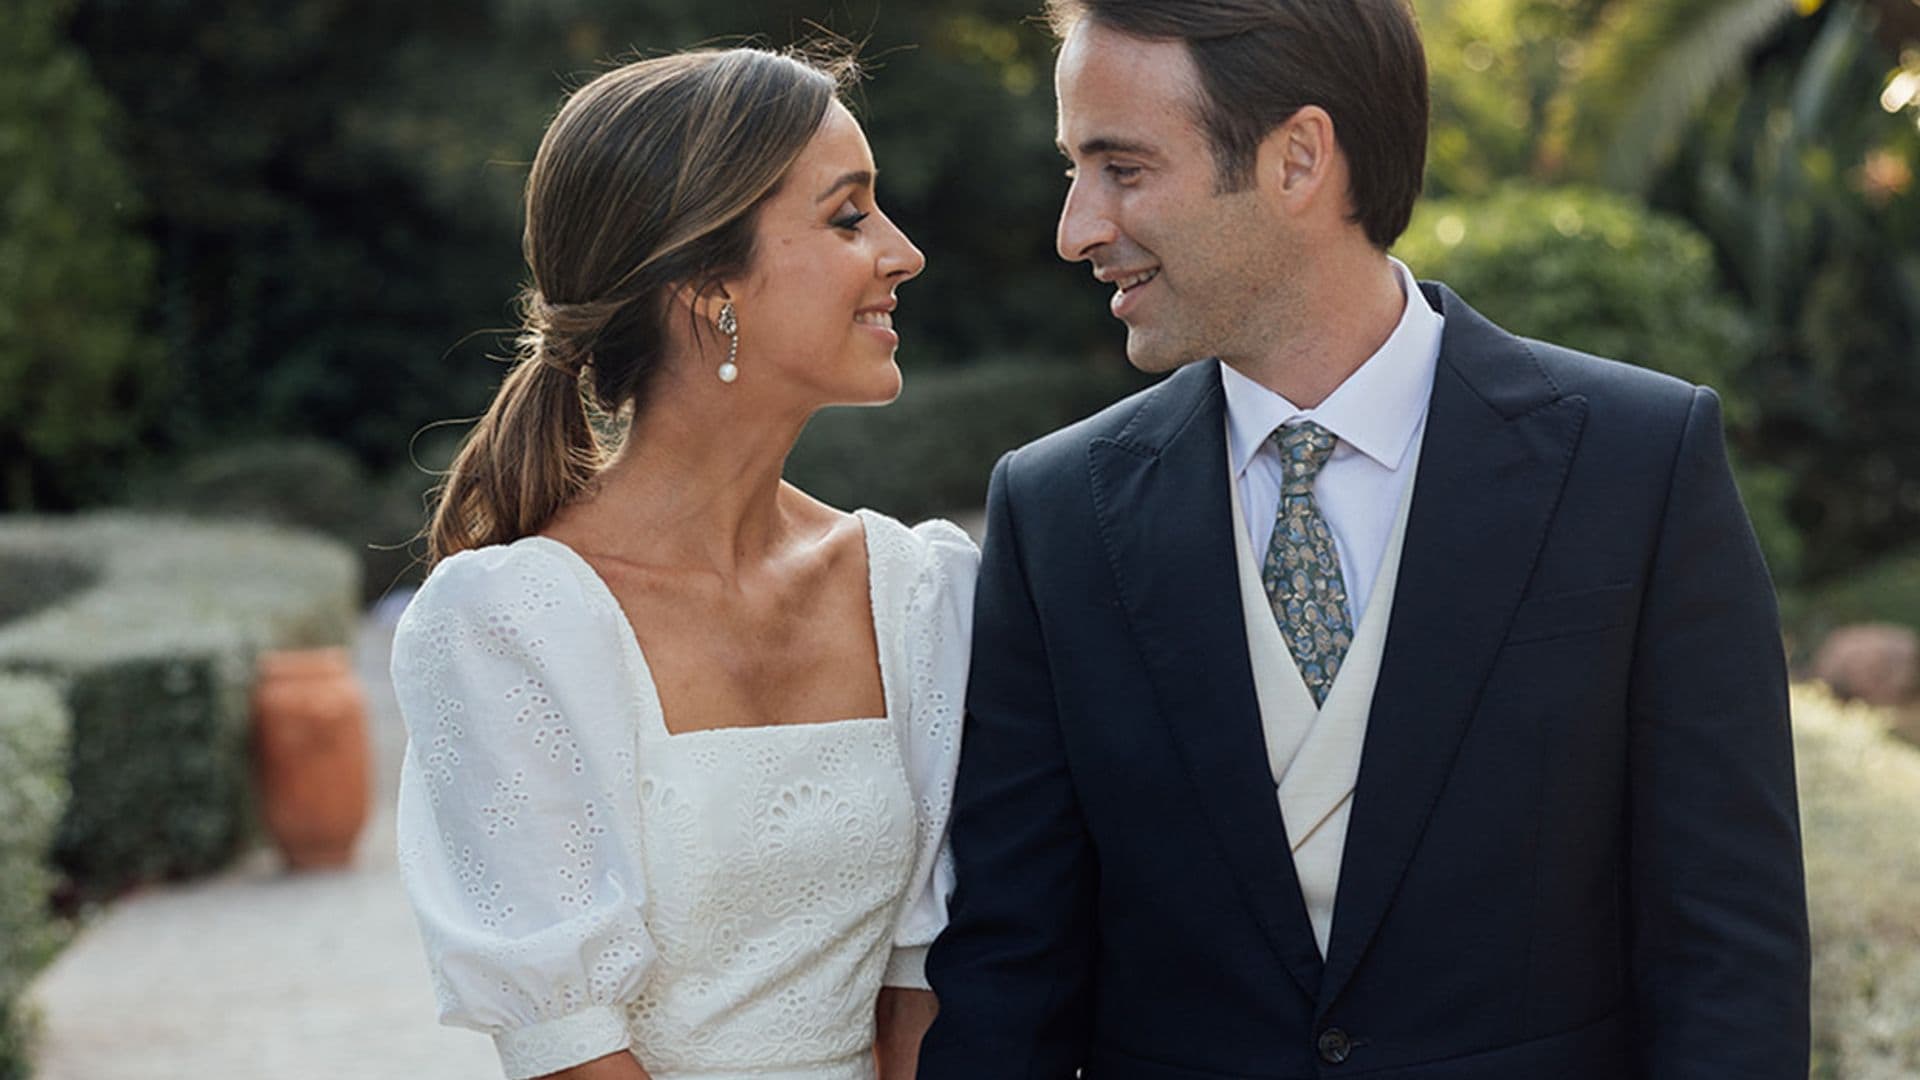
{"x":76,"y":369}
{"x":1596,"y":271}
{"x":1804,"y":185}
{"x":335,"y":186}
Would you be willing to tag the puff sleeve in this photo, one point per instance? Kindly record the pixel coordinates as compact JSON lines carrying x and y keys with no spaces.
{"x":939,"y":626}
{"x":518,"y":817}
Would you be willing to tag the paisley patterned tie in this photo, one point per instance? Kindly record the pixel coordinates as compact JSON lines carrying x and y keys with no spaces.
{"x":1302,"y":570}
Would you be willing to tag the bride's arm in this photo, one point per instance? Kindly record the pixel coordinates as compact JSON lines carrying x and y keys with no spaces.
{"x":901,"y":1017}
{"x":518,"y":817}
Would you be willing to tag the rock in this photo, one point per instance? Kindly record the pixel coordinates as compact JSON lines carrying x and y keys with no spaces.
{"x":1878,"y":663}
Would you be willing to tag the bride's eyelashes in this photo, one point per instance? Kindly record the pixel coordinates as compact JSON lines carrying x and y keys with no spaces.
{"x":850,"y":222}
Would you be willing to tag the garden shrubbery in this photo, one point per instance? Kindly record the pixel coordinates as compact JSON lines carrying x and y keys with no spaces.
{"x":33,"y":796}
{"x":931,"y":451}
{"x":1586,"y":270}
{"x":154,"y":661}
{"x":302,"y":484}
{"x":1599,"y":273}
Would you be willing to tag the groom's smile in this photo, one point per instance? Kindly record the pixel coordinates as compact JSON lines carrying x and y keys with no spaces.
{"x":1126,"y":288}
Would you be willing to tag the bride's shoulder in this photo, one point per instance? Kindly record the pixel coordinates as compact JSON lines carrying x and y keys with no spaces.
{"x":934,"y":548}
{"x":530,"y":575}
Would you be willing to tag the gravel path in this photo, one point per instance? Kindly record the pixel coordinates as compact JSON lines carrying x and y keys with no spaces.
{"x":259,"y":973}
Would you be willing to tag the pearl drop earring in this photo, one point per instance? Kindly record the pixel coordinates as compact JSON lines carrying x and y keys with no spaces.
{"x":730,"y":326}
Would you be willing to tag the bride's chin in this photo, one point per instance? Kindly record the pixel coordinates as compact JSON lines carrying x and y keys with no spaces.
{"x":881,"y":389}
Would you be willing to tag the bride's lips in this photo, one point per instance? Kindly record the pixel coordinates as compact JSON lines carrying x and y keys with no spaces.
{"x":878,"y":321}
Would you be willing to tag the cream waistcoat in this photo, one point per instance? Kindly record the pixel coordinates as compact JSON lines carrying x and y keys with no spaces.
{"x":1314,"y":754}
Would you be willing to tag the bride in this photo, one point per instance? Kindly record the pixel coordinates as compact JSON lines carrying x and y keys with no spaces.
{"x":682,"y":738}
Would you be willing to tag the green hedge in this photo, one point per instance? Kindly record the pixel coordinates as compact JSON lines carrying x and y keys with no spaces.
{"x":301,"y":484}
{"x":1599,"y":273}
{"x":931,"y":451}
{"x":33,"y":796}
{"x":155,"y":661}
{"x":37,"y":580}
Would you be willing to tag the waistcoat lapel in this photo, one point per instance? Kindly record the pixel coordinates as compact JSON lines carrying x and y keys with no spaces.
{"x":1314,"y":753}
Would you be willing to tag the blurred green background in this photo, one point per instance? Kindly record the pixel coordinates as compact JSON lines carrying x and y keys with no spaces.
{"x":256,"y":261}
{"x":251,"y":253}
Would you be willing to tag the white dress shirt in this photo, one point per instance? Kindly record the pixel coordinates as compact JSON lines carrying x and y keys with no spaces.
{"x":1378,"y":414}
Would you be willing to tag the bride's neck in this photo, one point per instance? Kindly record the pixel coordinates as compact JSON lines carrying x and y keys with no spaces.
{"x":696,"y":482}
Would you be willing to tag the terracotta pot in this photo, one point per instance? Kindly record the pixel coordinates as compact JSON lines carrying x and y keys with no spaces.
{"x":310,"y":754}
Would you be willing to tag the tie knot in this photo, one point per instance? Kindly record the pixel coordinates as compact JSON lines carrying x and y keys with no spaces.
{"x":1304,"y":448}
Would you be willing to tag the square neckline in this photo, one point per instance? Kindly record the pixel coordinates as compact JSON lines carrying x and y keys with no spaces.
{"x":643,"y":672}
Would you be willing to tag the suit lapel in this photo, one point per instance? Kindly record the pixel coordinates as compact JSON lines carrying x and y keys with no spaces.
{"x":1498,"y":441}
{"x":1161,"y":498}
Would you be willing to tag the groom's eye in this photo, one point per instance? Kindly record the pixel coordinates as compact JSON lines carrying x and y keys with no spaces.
{"x":1123,"y":173}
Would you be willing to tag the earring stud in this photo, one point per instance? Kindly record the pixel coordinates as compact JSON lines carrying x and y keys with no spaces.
{"x":730,"y":326}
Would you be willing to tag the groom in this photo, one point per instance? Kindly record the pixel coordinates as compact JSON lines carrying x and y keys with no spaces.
{"x":1381,"y":694}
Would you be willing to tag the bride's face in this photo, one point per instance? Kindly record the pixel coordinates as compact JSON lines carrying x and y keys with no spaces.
{"x":815,"y":310}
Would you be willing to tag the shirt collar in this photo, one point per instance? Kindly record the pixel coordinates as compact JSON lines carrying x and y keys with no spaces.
{"x":1377,"y":410}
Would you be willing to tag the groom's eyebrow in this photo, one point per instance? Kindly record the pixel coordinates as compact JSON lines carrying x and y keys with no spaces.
{"x":1107,"y":144}
{"x":857,"y":178}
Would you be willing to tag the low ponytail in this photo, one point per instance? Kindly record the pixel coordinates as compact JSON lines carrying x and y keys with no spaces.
{"x":532,"y":452}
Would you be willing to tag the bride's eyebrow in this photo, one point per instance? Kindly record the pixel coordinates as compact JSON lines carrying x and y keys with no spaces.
{"x":857,"y":178}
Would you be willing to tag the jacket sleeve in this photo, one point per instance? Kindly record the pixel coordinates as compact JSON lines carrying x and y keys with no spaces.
{"x":1013,"y":969}
{"x":1720,"y":954}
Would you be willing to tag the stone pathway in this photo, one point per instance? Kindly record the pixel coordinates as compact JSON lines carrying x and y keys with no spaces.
{"x":259,"y":973}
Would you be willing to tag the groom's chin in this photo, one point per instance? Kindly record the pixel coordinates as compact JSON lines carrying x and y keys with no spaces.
{"x":1155,"y":357}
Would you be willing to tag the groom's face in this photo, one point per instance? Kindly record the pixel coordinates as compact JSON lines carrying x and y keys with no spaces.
{"x":1194,"y":271}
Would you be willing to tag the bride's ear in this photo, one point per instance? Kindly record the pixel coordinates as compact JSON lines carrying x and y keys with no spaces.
{"x":703,"y":302}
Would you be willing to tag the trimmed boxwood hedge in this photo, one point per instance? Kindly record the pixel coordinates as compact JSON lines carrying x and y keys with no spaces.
{"x":155,"y":661}
{"x":33,"y":796}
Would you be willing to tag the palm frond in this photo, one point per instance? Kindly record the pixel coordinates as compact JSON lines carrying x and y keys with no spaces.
{"x":1649,"y":67}
{"x":1686,"y":73}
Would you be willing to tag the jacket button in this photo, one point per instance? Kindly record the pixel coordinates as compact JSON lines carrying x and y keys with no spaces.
{"x":1335,"y":1046}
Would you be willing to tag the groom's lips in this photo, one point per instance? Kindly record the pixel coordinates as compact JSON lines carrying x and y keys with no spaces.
{"x":1127,"y":287}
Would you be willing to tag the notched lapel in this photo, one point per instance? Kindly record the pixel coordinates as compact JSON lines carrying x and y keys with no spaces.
{"x":1161,"y":498}
{"x":1498,"y":443}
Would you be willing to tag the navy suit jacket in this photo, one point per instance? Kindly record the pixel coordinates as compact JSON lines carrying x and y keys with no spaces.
{"x":1574,"y":845}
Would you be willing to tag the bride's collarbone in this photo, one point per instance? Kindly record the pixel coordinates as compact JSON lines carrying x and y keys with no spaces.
{"x":723,"y":657}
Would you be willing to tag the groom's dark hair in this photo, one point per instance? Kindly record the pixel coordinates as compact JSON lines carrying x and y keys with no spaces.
{"x":1260,"y":61}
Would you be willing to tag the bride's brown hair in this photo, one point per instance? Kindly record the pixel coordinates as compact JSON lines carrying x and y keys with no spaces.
{"x":647,"y":181}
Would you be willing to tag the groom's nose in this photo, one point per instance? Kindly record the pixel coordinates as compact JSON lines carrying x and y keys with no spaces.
{"x":1085,"y":223}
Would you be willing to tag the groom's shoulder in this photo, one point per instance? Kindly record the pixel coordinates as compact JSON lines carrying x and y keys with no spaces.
{"x":1617,"y":390}
{"x":1491,"y":356}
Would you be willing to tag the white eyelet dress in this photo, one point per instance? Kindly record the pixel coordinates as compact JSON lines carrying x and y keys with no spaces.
{"x":724,"y":903}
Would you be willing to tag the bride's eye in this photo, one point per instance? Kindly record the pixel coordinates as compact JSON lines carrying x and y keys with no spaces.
{"x":850,"y":221}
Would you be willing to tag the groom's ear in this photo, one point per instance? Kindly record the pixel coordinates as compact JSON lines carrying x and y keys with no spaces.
{"x":1299,"y":156}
